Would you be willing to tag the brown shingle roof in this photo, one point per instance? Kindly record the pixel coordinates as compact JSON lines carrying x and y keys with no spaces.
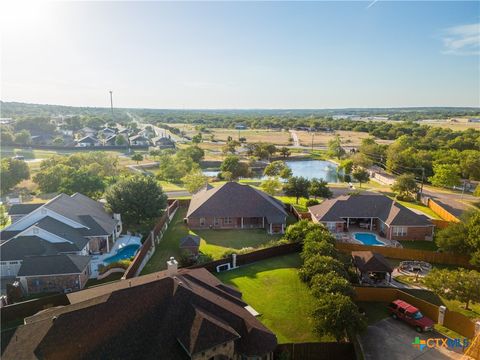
{"x":366,"y":206}
{"x":367,"y":261}
{"x":236,"y":200}
{"x":145,"y":317}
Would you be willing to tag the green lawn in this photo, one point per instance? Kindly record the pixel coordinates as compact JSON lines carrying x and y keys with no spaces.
{"x":213,"y":242}
{"x":420,"y":245}
{"x":301,"y":206}
{"x":169,"y":186}
{"x":272,"y":287}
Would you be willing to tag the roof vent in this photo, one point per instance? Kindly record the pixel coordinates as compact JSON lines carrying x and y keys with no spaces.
{"x":54,"y":319}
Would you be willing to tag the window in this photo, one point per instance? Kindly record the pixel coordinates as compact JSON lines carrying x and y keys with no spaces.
{"x":399,"y":231}
{"x":202,"y":221}
{"x":331,"y":226}
{"x":217,"y":221}
{"x":228,"y":220}
{"x":402,"y":310}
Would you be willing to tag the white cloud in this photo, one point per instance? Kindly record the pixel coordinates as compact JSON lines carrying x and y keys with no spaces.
{"x":462,"y":40}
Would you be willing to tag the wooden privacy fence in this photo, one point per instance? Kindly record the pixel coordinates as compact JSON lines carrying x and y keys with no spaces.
{"x":441,"y":211}
{"x":315,"y":351}
{"x":410,"y":254}
{"x":253,"y":256}
{"x":453,"y":320}
{"x":148,"y":247}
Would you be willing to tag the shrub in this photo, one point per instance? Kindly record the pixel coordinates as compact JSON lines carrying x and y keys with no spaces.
{"x":311,"y":202}
{"x":405,"y":197}
{"x":122,"y":264}
{"x":320,"y":264}
{"x":298,"y":231}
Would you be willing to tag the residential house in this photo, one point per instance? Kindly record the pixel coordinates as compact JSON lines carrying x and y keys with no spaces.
{"x":236,"y":206}
{"x":147,"y":132}
{"x":174,"y":314}
{"x":54,"y":273}
{"x":74,"y":225}
{"x":163,"y":142}
{"x":139,"y":140}
{"x":111,"y":141}
{"x":87,"y":141}
{"x":379,"y":213}
{"x":86,"y":131}
{"x":17,"y":211}
{"x":41,"y":139}
{"x":107,"y":132}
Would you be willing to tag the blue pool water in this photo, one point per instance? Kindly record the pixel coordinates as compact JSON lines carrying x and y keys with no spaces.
{"x":124,"y":253}
{"x":368,"y":239}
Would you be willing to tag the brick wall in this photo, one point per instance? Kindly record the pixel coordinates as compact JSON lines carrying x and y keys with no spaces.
{"x":415,"y":233}
{"x":38,"y":284}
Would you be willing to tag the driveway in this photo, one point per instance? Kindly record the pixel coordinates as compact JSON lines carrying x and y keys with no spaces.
{"x":392,"y":339}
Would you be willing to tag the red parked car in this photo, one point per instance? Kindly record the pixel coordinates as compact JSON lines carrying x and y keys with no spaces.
{"x":400,"y":309}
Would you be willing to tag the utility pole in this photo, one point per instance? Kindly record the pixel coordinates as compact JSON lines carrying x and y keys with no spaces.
{"x":421,"y":186}
{"x":111,"y":102}
{"x":313,"y":135}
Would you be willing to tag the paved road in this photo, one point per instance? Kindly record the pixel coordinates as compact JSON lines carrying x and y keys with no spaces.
{"x":392,"y":339}
{"x":296,"y":142}
{"x":453,"y":202}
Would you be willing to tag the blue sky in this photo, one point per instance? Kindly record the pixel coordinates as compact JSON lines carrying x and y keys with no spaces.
{"x":242,"y":55}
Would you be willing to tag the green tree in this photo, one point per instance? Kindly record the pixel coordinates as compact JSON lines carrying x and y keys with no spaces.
{"x":285,"y":152}
{"x":58,"y":141}
{"x":477,"y":191}
{"x":85,"y":183}
{"x":319,"y":188}
{"x":319,"y":264}
{"x":193,"y":152}
{"x":461,"y":284}
{"x":271,"y":186}
{"x":230,"y":147}
{"x":335,"y":148}
{"x":120,"y":140}
{"x":278,"y":168}
{"x":445,"y":175}
{"x":470,"y":164}
{"x":23,"y":137}
{"x":140,"y":200}
{"x":405,"y":186}
{"x":197,"y":139}
{"x":194,"y":181}
{"x":462,"y":237}
{"x":232,"y":164}
{"x":361,"y":176}
{"x":13,"y":172}
{"x":297,"y":186}
{"x":361,"y":160}
{"x":137,"y":157}
{"x":330,"y":283}
{"x":3,"y":216}
{"x":337,"y":315}
{"x":49,"y":179}
{"x":6,"y":137}
{"x":346,"y":165}
{"x":298,"y":231}
{"x":155,"y":153}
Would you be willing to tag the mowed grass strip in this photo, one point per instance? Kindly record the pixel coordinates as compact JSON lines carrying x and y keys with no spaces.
{"x":273,"y":288}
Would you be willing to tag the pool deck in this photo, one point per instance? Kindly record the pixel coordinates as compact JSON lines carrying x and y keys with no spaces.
{"x":349,"y":237}
{"x":121,"y":242}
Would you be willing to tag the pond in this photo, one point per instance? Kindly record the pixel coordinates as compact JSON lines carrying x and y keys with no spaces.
{"x":306,"y":168}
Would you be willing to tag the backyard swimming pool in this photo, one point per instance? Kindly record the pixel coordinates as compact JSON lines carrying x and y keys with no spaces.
{"x":368,"y":239}
{"x":124,"y":253}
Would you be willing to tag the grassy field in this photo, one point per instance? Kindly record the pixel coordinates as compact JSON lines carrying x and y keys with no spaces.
{"x":302,"y":202}
{"x":213,"y":242}
{"x":348,"y":138}
{"x":272,"y":287}
{"x":420,"y":245}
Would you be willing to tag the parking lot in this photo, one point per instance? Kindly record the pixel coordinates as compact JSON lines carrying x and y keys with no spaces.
{"x":392,"y":339}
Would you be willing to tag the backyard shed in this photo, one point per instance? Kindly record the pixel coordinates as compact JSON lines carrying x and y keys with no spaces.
{"x":190,"y":243}
{"x":371,"y":266}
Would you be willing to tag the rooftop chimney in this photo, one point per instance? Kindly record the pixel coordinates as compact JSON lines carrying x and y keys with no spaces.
{"x":172,"y":267}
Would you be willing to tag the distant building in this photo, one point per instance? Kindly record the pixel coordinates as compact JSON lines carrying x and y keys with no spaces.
{"x":139,"y":140}
{"x":87,"y":141}
{"x":241,"y":127}
{"x":163,"y":142}
{"x":474,"y":120}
